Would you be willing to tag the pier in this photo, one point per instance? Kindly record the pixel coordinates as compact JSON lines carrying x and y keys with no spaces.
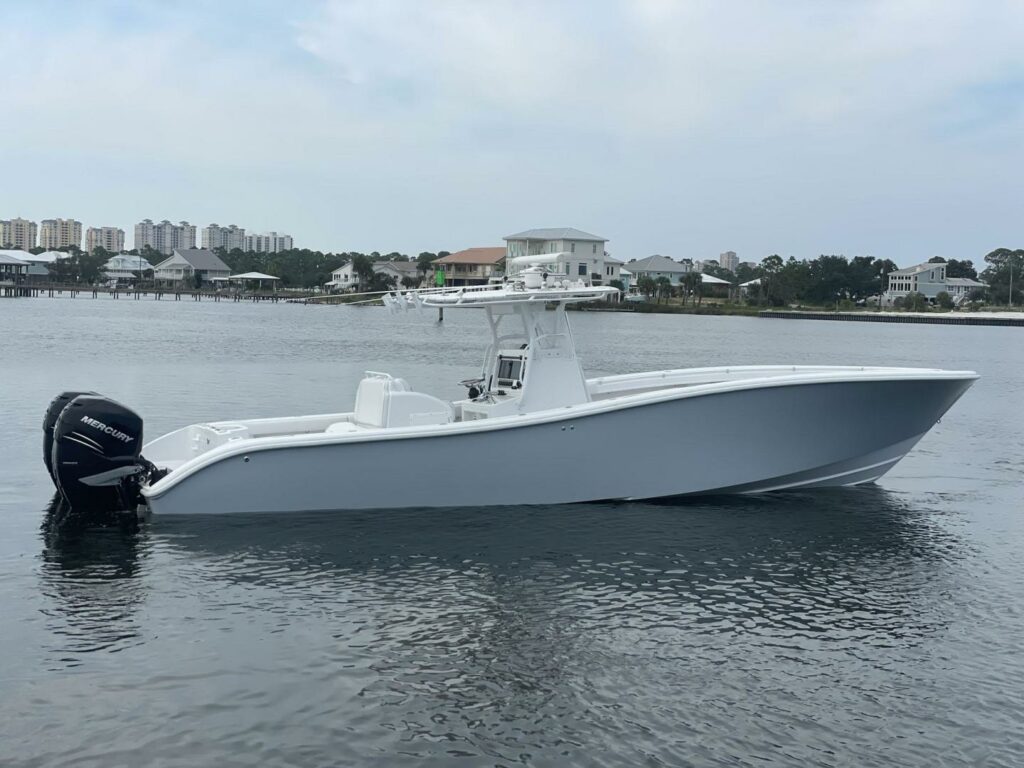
{"x":136,"y":294}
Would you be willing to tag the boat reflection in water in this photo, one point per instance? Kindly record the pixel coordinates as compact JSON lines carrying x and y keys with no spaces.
{"x":805,"y":562}
{"x":515,"y":630}
{"x":91,"y":576}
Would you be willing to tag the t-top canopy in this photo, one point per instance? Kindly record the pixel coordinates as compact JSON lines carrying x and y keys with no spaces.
{"x":516,"y":293}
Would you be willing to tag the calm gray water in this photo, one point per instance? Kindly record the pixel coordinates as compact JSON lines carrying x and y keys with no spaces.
{"x":871,"y":627}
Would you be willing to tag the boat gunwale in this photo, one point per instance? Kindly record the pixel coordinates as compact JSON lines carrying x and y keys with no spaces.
{"x":837,"y":374}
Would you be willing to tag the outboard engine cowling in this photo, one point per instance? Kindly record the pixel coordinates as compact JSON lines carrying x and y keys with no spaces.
{"x":50,"y":420}
{"x":95,"y":460}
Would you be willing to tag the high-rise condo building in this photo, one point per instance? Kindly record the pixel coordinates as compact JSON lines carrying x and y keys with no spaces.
{"x":729,"y":260}
{"x":165,"y":236}
{"x":110,"y":239}
{"x":268,"y":242}
{"x":60,"y":233}
{"x":18,"y":233}
{"x":228,"y":238}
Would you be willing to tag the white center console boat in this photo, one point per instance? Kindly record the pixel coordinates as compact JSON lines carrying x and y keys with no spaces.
{"x":747,"y":429}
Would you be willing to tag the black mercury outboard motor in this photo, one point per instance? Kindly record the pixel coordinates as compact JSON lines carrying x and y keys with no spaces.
{"x":95,"y":458}
{"x":49,"y":421}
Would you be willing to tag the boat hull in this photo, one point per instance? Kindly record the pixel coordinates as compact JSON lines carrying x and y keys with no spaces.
{"x":741,"y":438}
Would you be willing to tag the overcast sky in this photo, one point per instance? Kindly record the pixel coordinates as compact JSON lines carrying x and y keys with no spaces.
{"x":894,"y":129}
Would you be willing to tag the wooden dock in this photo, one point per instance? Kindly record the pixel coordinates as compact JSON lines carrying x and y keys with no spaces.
{"x":333,"y":298}
{"x":136,"y":294}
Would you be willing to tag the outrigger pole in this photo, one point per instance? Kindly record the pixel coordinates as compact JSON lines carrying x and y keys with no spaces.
{"x":397,"y":299}
{"x":394,"y":291}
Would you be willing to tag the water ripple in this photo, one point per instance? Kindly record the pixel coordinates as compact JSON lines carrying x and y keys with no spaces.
{"x":614,"y":632}
{"x":869,"y":628}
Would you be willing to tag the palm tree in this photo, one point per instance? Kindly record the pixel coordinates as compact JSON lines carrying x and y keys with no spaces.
{"x":647,"y":286}
{"x":664,"y":287}
{"x":691,"y":282}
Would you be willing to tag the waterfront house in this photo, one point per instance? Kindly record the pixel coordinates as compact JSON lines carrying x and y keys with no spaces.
{"x":658,"y":266}
{"x":399,"y":270}
{"x":186,"y":265}
{"x":930,"y":280}
{"x":12,"y":268}
{"x":580,"y":254}
{"x":126,"y":268}
{"x":472,"y":266}
{"x":38,"y":264}
{"x":715,"y":286}
{"x":612,"y":269}
{"x":343,"y":279}
{"x":960,"y":288}
{"x":46,"y":258}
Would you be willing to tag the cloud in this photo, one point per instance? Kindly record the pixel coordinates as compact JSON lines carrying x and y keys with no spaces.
{"x":662,"y":67}
{"x":679,"y":127}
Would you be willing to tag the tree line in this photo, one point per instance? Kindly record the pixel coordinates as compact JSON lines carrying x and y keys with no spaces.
{"x":824,"y":280}
{"x":831,"y":279}
{"x":304,"y":268}
{"x":297,"y":267}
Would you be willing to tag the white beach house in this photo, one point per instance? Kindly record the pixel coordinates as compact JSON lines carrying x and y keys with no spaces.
{"x":930,"y":280}
{"x":658,"y":266}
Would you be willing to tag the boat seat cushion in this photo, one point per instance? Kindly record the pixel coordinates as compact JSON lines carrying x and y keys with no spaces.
{"x":382,"y":401}
{"x":371,"y":400}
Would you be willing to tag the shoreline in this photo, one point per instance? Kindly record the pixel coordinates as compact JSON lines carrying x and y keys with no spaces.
{"x":945,"y":318}
{"x":1003,"y":318}
{"x":989,"y":318}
